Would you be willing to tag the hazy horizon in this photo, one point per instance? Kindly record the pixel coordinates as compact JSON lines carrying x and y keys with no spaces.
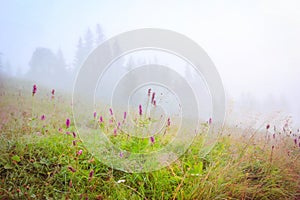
{"x":254,"y":45}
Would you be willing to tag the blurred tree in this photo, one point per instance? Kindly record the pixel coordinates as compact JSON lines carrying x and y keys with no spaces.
{"x":88,"y":42}
{"x":47,"y":66}
{"x":61,"y":63}
{"x":100,"y":36}
{"x":79,"y":55}
{"x":42,"y":62}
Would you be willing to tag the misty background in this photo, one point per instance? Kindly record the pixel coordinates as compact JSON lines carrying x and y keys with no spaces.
{"x":255,"y":45}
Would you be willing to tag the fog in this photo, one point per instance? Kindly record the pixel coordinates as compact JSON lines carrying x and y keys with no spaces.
{"x":255,"y":45}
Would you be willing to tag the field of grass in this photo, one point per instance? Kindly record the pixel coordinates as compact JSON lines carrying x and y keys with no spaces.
{"x":41,"y":158}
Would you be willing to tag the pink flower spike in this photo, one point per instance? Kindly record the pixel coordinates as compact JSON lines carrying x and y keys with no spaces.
{"x":79,"y":152}
{"x":169,"y":122}
{"x":268,"y":126}
{"x":52,"y":92}
{"x":140,"y":110}
{"x":71,"y":169}
{"x":125,"y":115}
{"x":60,"y":129}
{"x":43,"y":117}
{"x":34,"y":89}
{"x":111,"y":112}
{"x":74,"y":134}
{"x":101,"y":119}
{"x":95,"y":115}
{"x":68,"y":133}
{"x":121,"y":154}
{"x":149,"y":92}
{"x":154,"y":102}
{"x":152,"y":139}
{"x":68,"y":123}
{"x":115,"y":132}
{"x":153,"y":96}
{"x":210,"y":121}
{"x":91,"y":174}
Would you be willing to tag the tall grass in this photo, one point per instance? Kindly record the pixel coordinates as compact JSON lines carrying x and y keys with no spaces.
{"x":41,"y":158}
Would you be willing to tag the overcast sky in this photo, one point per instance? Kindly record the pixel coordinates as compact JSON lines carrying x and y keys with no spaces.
{"x":255,"y":44}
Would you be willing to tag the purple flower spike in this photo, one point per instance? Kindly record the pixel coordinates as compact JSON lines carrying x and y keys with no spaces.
{"x":111,"y":112}
{"x":72,"y":169}
{"x":125,"y":115}
{"x":268,"y":126}
{"x":101,"y":119}
{"x":169,"y":122}
{"x":149,"y":92}
{"x":210,"y":121}
{"x":95,"y":115}
{"x":115,"y":132}
{"x":68,"y":123}
{"x":79,"y":152}
{"x":74,"y":142}
{"x":34,"y":89}
{"x":152,"y":139}
{"x":74,"y":134}
{"x":295,"y":141}
{"x":91,"y":174}
{"x":140,"y":110}
{"x":121,"y":154}
{"x":53,"y":92}
{"x":43,"y":117}
{"x":153,"y":97}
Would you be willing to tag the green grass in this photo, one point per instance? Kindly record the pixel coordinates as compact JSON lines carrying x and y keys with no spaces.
{"x":37,"y":155}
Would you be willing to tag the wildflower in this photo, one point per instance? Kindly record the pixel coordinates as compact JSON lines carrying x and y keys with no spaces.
{"x":34,"y":89}
{"x":154,"y":102}
{"x":119,"y":124}
{"x":60,"y":129}
{"x":169,"y":122}
{"x":71,"y":169}
{"x":152,"y":139}
{"x":74,"y":142}
{"x":111,"y":112}
{"x":268,"y":126}
{"x":295,"y":141}
{"x":91,"y":174}
{"x":121,"y":154}
{"x":153,"y":96}
{"x":101,"y":119}
{"x":68,"y":123}
{"x":149,"y":92}
{"x":115,"y":132}
{"x":52,"y":92}
{"x":210,"y":121}
{"x":140,"y":110}
{"x":79,"y":152}
{"x":68,"y":133}
{"x":95,"y":115}
{"x":272,"y":147}
{"x":43,"y":117}
{"x":74,"y":134}
{"x":125,"y":114}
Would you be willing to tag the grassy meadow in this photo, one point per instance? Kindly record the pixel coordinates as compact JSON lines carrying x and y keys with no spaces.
{"x":42,"y":157}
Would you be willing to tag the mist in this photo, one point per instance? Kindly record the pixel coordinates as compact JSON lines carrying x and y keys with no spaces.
{"x":254,"y":45}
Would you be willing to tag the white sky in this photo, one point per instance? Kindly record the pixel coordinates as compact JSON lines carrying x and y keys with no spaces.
{"x":254,"y":44}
